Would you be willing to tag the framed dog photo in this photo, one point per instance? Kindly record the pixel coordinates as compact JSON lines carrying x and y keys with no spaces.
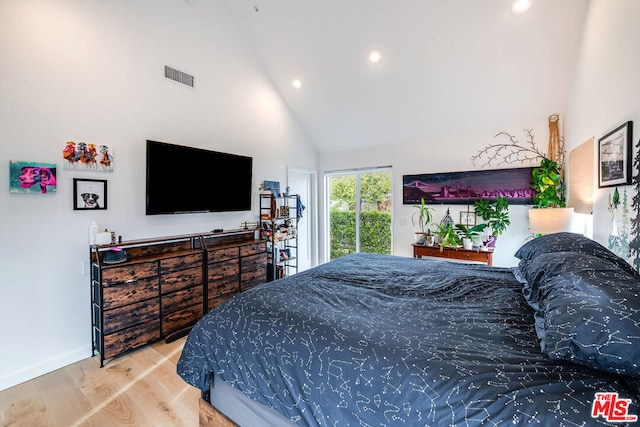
{"x":89,"y":194}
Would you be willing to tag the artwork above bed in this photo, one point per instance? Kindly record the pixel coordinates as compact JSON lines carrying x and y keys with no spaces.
{"x":467,"y":187}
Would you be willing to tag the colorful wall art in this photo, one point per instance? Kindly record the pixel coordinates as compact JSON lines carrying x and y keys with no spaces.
{"x":32,"y":177}
{"x":467,"y":187}
{"x":87,"y":156}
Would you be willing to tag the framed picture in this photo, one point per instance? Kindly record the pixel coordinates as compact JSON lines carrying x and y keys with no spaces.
{"x":285,"y":254}
{"x":468,"y":218}
{"x":284,"y":211}
{"x":273,"y":187}
{"x":32,"y":177}
{"x":87,"y":157}
{"x":89,"y":194}
{"x":614,"y":157}
{"x":464,"y":188}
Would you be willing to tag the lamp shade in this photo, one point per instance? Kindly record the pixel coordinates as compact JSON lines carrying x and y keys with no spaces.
{"x":550,"y":220}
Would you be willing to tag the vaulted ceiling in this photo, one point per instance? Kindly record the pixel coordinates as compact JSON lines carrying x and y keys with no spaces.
{"x":447,"y":67}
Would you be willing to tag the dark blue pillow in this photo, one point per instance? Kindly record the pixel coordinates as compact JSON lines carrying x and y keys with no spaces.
{"x":587,"y":310}
{"x":570,"y":242}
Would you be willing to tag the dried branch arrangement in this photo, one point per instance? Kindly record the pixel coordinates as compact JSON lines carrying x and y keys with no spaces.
{"x":509,"y":152}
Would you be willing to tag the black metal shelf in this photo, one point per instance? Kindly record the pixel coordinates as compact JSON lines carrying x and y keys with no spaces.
{"x":278,"y":222}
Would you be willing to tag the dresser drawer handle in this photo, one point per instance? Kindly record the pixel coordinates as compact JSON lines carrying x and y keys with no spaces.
{"x":131,"y":281}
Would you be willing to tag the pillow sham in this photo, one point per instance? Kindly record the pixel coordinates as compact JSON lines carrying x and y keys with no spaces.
{"x":587,"y":310}
{"x":570,"y":242}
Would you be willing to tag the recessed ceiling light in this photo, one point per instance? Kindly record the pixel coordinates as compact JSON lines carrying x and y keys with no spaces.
{"x":296,"y":83}
{"x":375,"y":56}
{"x":520,"y":6}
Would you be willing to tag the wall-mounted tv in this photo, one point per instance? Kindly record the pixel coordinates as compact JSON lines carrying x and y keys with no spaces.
{"x":184,"y":179}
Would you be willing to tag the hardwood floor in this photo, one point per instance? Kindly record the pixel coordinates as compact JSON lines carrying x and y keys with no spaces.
{"x":140,"y":388}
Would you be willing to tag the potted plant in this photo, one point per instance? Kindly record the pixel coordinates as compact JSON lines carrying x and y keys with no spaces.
{"x":549,"y":212}
{"x":429,"y":238}
{"x":496,"y":216}
{"x":469,"y":235}
{"x":421,"y":218}
{"x":548,"y":186}
{"x":448,"y":236}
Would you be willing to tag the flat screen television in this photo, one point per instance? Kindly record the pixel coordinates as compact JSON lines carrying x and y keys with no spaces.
{"x":184,"y":179}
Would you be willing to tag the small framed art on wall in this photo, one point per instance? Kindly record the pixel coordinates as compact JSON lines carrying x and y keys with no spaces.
{"x":89,"y":194}
{"x":614,"y":157}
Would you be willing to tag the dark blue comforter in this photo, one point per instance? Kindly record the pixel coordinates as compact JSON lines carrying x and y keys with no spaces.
{"x":381,"y":340}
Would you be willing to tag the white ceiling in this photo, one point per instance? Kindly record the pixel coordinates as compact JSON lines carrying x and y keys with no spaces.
{"x":449,"y":66}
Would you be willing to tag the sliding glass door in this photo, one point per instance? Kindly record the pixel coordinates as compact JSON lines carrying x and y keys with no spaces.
{"x":359,"y":211}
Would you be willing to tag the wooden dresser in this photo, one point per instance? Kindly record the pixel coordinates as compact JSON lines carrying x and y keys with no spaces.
{"x":234,"y":264}
{"x":167,"y":284}
{"x":453,"y":253}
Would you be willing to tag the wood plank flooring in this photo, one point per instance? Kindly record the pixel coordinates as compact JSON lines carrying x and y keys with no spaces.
{"x":140,"y":388}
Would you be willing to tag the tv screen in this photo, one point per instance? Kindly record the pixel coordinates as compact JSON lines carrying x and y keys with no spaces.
{"x":186,"y":180}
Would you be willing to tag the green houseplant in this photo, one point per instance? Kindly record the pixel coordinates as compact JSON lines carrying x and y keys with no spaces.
{"x":548,"y":186}
{"x":448,"y":236}
{"x":421,"y":218}
{"x":549,"y":213}
{"x":469,"y":235}
{"x":495,"y":214}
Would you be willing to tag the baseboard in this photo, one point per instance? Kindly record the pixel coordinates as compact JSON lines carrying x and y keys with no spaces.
{"x":34,"y":371}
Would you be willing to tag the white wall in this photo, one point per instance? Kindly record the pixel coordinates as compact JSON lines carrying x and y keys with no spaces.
{"x":605,"y":94}
{"x":93,"y":72}
{"x":450,"y":154}
{"x":606,"y":88}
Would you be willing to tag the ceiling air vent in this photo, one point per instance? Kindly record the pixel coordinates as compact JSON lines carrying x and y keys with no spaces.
{"x":178,"y":76}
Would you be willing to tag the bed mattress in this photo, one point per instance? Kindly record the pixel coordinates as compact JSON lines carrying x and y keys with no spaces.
{"x":383,"y":340}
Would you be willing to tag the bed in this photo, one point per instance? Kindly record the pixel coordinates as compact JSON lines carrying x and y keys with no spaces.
{"x":385,"y":340}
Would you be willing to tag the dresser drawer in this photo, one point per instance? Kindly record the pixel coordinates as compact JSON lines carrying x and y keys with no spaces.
{"x":225,"y":285}
{"x":171,"y":282}
{"x":178,"y":263}
{"x":219,"y":270}
{"x":131,"y":338}
{"x":128,"y":273}
{"x":127,"y":293}
{"x":431,"y":251}
{"x":254,"y":262}
{"x":472,"y":256}
{"x":253,"y":248}
{"x":253,"y":278}
{"x":181,"y":319}
{"x":214,"y":302}
{"x":180,"y":299}
{"x":132,"y":314}
{"x":223,"y":254}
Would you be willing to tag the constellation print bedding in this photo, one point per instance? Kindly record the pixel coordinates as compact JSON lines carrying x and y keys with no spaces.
{"x":379,"y":340}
